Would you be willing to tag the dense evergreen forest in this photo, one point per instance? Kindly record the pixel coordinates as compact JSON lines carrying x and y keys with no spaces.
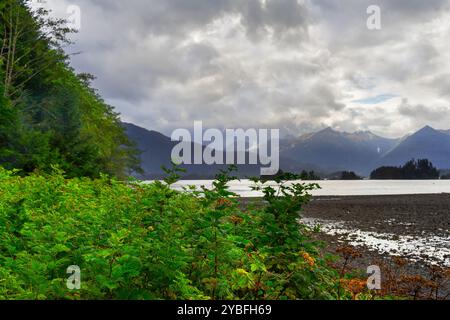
{"x":421,"y":169}
{"x":50,"y":116}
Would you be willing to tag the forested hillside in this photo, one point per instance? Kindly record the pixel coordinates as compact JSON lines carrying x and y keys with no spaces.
{"x":49,"y":115}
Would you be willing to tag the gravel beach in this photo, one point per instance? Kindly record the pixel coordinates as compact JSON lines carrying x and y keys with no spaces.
{"x":413,"y":227}
{"x":402,"y":215}
{"x":416,"y":227}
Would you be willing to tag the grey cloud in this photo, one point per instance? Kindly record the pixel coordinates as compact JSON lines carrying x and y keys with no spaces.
{"x":421,"y":112}
{"x":274,"y":63}
{"x":441,"y":82}
{"x":176,"y":17}
{"x":347,"y":19}
{"x":286,"y":17}
{"x":322,"y":101}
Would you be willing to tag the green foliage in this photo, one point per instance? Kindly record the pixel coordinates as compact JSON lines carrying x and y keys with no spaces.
{"x":147,"y":241}
{"x":48,"y":114}
{"x":291,"y":256}
{"x":7,"y":123}
{"x":281,"y":175}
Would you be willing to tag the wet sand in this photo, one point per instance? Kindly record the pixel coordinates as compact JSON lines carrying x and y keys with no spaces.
{"x":402,"y":215}
{"x":413,"y":227}
{"x":416,"y":227}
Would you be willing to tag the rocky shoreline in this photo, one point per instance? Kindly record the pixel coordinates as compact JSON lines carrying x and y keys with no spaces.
{"x":414,"y":228}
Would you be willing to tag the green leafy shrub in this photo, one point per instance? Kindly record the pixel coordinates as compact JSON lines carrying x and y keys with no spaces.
{"x":146,"y":241}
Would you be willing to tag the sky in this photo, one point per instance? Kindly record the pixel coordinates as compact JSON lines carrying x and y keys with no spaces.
{"x":295,"y":65}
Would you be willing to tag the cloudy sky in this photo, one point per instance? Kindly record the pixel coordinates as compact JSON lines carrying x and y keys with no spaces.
{"x":297,"y":65}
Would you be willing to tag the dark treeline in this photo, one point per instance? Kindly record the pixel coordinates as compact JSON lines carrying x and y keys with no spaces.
{"x":49,"y":115}
{"x":281,"y":175}
{"x":350,"y":175}
{"x":413,"y":170}
{"x":343,"y":175}
{"x":309,"y":176}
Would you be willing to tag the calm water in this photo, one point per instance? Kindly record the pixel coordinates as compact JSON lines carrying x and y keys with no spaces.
{"x":345,"y":188}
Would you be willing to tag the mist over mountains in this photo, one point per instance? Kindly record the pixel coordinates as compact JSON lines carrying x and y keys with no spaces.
{"x":156,"y":150}
{"x":325,"y":152}
{"x":330,"y":150}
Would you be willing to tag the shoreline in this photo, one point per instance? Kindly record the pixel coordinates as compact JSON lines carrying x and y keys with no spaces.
{"x":415,"y":228}
{"x":339,"y":188}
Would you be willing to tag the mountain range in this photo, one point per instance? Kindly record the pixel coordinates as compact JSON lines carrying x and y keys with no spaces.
{"x":325,"y":152}
{"x":156,"y":150}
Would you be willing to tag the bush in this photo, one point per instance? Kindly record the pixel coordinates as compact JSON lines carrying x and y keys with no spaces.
{"x":146,"y":241}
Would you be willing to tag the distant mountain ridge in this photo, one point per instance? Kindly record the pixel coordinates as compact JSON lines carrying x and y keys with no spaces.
{"x":325,"y":152}
{"x":332,"y":151}
{"x":427,"y":143}
{"x":156,"y":150}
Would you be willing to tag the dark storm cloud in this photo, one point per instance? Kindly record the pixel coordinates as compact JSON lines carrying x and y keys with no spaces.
{"x":421,"y":112}
{"x":293,"y":64}
{"x":286,"y":17}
